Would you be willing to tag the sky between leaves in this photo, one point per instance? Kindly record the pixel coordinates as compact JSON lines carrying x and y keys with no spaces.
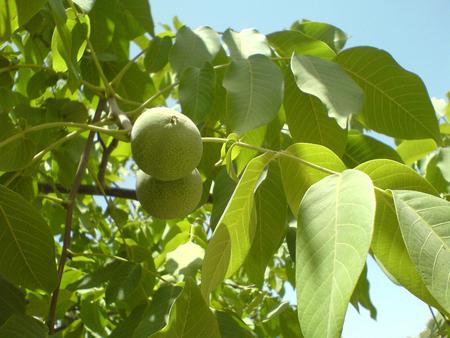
{"x":415,"y":32}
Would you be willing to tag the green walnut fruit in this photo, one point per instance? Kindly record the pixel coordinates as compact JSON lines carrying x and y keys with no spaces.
{"x":166,"y":144}
{"x":169,"y":199}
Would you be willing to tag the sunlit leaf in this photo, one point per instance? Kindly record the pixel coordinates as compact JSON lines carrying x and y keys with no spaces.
{"x":254,"y":93}
{"x":308,"y":119}
{"x":189,"y":307}
{"x":298,"y":177}
{"x":233,"y":236}
{"x":329,"y":83}
{"x":335,"y":225}
{"x":396,"y":101}
{"x":246,"y":43}
{"x":387,"y":243}
{"x":425,"y":224}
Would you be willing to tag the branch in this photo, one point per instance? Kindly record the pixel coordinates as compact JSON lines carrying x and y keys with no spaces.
{"x":46,"y":188}
{"x":105,"y":159}
{"x":69,"y":216}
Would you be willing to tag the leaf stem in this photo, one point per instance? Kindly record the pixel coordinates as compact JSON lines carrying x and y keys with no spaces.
{"x":50,"y":125}
{"x":282,"y":153}
{"x":152,"y":98}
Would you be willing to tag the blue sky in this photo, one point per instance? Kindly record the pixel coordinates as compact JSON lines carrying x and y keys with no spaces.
{"x":415,"y":32}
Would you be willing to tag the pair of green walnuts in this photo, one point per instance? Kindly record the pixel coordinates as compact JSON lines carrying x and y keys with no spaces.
{"x":167,"y":147}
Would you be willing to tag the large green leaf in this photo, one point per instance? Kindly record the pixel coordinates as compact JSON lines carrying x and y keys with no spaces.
{"x":425,"y":224}
{"x":69,"y":42}
{"x":21,"y":326}
{"x":12,"y":300}
{"x":246,"y":43}
{"x":331,"y":35}
{"x":396,"y":102}
{"x":231,"y":326}
{"x":328,"y":82}
{"x":17,"y":154}
{"x":16,"y":13}
{"x":147,"y":319}
{"x":254,"y":93}
{"x":27,"y":249}
{"x":362,"y":148}
{"x":193,"y":48}
{"x":298,"y":177}
{"x":387,"y":242}
{"x":288,"y":42}
{"x":308,"y":119}
{"x":223,"y":189}
{"x":124,"y":280}
{"x":196,"y":94}
{"x":413,"y":150}
{"x":271,"y":225}
{"x":157,"y":54}
{"x":335,"y":224}
{"x":234,"y":234}
{"x":190,"y":316}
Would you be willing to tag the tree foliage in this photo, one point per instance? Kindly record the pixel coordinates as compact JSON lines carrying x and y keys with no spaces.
{"x":296,"y":190}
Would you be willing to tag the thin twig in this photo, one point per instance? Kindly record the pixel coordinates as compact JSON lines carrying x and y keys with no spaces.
{"x":105,"y":159}
{"x":46,"y":188}
{"x":69,"y":217}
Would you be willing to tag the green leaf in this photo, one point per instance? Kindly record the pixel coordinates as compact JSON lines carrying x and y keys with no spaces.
{"x":196,"y":92}
{"x":16,"y":13}
{"x":17,"y":154}
{"x":12,"y":300}
{"x":328,"y":82}
{"x":193,"y":48}
{"x":231,"y":326}
{"x":362,"y":148}
{"x":69,"y":41}
{"x":413,"y":150}
{"x":157,"y":54}
{"x":308,"y":119}
{"x":361,"y":295}
{"x":254,"y":93}
{"x":271,"y":211}
{"x":331,"y":35}
{"x":288,"y":42}
{"x":437,"y":170}
{"x":233,"y":236}
{"x":139,"y":13}
{"x":245,"y":43}
{"x":335,"y":225}
{"x":21,"y":326}
{"x":190,"y":316}
{"x":223,"y":189}
{"x":27,"y":241}
{"x":186,"y":259}
{"x":425,"y":225}
{"x":93,"y":315}
{"x":298,"y":177}
{"x":145,"y":320}
{"x":124,"y":280}
{"x":396,"y":102}
{"x":387,"y":242}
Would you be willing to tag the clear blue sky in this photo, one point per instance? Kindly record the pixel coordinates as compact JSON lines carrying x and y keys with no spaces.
{"x":415,"y":32}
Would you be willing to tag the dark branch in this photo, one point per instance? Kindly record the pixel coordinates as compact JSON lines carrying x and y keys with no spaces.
{"x":46,"y":188}
{"x":105,"y":159}
{"x":69,"y":216}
